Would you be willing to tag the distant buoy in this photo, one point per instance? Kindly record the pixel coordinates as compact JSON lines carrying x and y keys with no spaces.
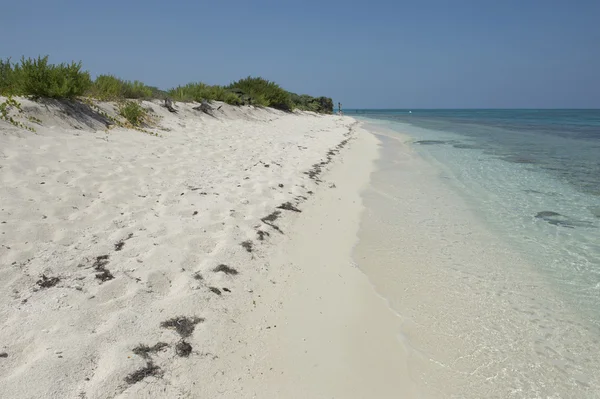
{"x":410,"y":112}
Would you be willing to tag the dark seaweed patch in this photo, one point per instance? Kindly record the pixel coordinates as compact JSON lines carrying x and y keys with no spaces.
{"x":184,"y":326}
{"x":288,"y":207}
{"x":225,"y":269}
{"x":121,"y":243}
{"x":317,"y":168}
{"x":269,"y":219}
{"x":47,"y":282}
{"x":150,"y":370}
{"x":198,"y":276}
{"x":145,"y":350}
{"x":100,"y":266}
{"x":262,"y":234}
{"x":248,"y":246}
{"x":183,"y":349}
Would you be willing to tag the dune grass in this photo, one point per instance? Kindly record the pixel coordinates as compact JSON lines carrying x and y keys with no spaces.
{"x":37,"y":78}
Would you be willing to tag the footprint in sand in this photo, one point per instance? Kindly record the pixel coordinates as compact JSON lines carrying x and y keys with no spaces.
{"x":159,"y":283}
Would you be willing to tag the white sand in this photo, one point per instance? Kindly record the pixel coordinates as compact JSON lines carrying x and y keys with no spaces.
{"x":180,"y":205}
{"x":320,"y":330}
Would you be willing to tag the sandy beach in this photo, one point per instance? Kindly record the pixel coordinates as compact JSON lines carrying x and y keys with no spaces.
{"x":214,"y":259}
{"x":254,"y":253}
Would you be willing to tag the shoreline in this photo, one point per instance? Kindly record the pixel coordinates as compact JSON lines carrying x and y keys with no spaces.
{"x":321,"y":329}
{"x":478,"y":320}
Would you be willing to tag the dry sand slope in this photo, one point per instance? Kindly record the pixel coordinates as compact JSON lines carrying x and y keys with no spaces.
{"x":125,"y":259}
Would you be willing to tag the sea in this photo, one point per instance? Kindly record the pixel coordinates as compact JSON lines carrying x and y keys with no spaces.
{"x":531,"y":177}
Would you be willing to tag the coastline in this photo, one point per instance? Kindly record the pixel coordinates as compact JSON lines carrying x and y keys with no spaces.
{"x":129,"y":260}
{"x":262,"y":254}
{"x":320,"y":329}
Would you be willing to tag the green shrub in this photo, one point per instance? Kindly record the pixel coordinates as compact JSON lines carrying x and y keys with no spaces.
{"x":190,"y":92}
{"x":201,"y":91}
{"x":7,"y":78}
{"x":263,"y":93}
{"x":133,"y":112}
{"x":136,"y":89}
{"x":35,"y":77}
{"x":38,"y":78}
{"x":158,"y":93}
{"x":232,"y":98}
{"x":109,"y":87}
{"x":323,"y":105}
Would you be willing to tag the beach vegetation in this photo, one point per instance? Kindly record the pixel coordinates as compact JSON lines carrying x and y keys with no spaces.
{"x":10,"y":104}
{"x":37,"y":78}
{"x":202,"y":92}
{"x":304,"y":102}
{"x":7,"y":78}
{"x":262,"y":92}
{"x":109,"y":87}
{"x":133,"y":112}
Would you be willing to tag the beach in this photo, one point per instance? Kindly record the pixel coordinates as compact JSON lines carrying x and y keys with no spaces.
{"x":251,"y":253}
{"x":157,"y":265}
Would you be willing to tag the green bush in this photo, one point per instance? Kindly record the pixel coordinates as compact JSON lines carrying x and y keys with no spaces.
{"x":200,"y":91}
{"x":38,"y":78}
{"x":323,"y":105}
{"x":133,"y":112}
{"x":263,"y":93}
{"x":7,"y":78}
{"x":136,"y":89}
{"x":109,"y":87}
{"x":232,"y":98}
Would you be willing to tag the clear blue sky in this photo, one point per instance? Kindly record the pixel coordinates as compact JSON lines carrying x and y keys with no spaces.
{"x":366,"y":54}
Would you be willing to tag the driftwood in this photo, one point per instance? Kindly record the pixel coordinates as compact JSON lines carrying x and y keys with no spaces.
{"x":169,"y":105}
{"x":205,"y":107}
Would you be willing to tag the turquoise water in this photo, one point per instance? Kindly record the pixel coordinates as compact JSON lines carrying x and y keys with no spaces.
{"x":489,"y":251}
{"x":532,"y":175}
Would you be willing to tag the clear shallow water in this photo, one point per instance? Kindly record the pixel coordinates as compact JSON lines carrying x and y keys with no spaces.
{"x":533,"y":175}
{"x":478,"y":318}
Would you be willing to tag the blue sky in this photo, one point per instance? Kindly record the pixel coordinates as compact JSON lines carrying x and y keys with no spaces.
{"x":366,"y":54}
